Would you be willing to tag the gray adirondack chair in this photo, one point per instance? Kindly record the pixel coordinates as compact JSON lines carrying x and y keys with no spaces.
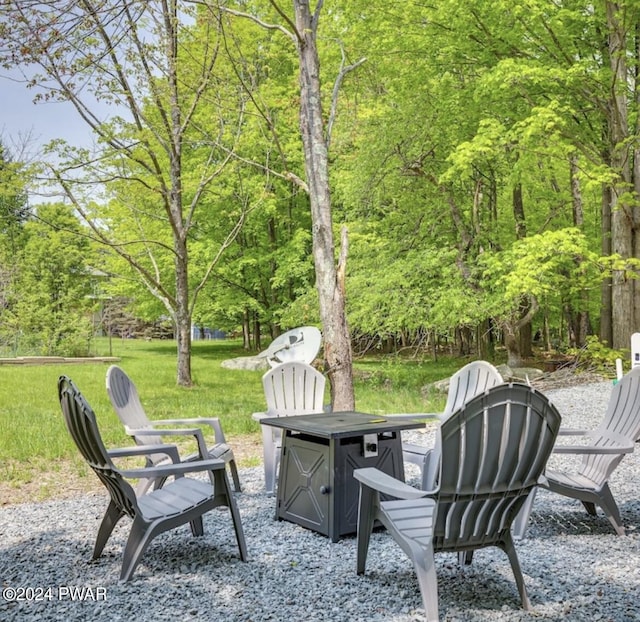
{"x":469,"y":381}
{"x":494,"y":450}
{"x":602,"y":450}
{"x":292,"y":388}
{"x":183,"y":500}
{"x":126,"y":402}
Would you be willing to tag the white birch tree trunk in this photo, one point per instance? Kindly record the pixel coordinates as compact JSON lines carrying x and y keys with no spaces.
{"x":329,"y":274}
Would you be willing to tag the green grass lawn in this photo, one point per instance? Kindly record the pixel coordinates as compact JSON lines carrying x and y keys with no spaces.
{"x":33,"y":439}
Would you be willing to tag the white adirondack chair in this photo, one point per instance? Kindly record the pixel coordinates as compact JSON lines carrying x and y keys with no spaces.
{"x":291,"y":388}
{"x":469,"y":381}
{"x":126,"y":403}
{"x":602,"y":450}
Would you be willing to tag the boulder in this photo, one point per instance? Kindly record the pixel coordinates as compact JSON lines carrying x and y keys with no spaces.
{"x":440,"y":386}
{"x":247,"y":363}
{"x":520,"y":374}
{"x":505,"y":371}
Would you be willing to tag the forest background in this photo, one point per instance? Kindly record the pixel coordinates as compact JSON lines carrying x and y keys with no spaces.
{"x":481,"y":162}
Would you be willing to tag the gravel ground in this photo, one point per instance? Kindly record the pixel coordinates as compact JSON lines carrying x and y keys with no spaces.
{"x":575,"y":567}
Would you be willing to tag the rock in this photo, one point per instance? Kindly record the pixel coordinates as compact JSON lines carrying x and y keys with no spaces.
{"x":522,"y":374}
{"x":247,"y":363}
{"x":440,"y":386}
{"x":505,"y":372}
{"x":518,"y":374}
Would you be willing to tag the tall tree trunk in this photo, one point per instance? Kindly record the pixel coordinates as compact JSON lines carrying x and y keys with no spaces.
{"x":524,"y":334}
{"x":511,"y":330}
{"x":518,"y":212}
{"x":257,"y":332}
{"x":512,"y":344}
{"x":484,"y":339}
{"x":183,"y":315}
{"x":622,"y":224}
{"x":636,"y":181}
{"x":246,"y":330}
{"x":329,"y":276}
{"x":581,"y":322}
{"x":606,"y":300}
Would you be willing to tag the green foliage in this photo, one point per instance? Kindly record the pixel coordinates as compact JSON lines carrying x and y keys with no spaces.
{"x":420,"y":288}
{"x":52,"y":312}
{"x":456,"y":107}
{"x":13,"y":203}
{"x":555,"y":266}
{"x":597,"y":355}
{"x":13,"y":214}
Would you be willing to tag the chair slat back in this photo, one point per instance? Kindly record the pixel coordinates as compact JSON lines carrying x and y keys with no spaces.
{"x":494,"y":451}
{"x":471,"y":380}
{"x":293,"y":388}
{"x":126,"y":402}
{"x":83,"y":428}
{"x":623,"y":409}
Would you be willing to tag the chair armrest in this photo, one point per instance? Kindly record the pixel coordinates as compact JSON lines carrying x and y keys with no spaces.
{"x":212,"y":422}
{"x":141,"y":450}
{"x":387,"y":485}
{"x":180,"y":469}
{"x":592,"y":449}
{"x":195,"y":432}
{"x":258,"y":416}
{"x":619,"y":445}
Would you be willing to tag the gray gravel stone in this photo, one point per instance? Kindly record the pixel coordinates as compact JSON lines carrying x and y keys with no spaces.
{"x":575,"y":567}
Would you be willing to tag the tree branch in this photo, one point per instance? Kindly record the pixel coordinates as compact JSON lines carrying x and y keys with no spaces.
{"x":256,"y":20}
{"x":336,"y":90}
{"x":315,"y":20}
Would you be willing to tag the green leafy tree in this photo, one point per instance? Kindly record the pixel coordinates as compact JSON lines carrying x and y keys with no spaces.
{"x":54,"y":288}
{"x":478,"y":125}
{"x":13,"y":215}
{"x":174,"y":123}
{"x":550,"y":269}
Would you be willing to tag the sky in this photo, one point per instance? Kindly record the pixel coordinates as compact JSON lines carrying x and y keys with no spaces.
{"x":21,"y":118}
{"x":25,"y":127}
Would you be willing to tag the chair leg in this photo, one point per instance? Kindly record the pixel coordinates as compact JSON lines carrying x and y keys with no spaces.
{"x":610,"y":508}
{"x":144,"y":485}
{"x":430,"y":467}
{"x":225,"y":497}
{"x":109,"y":521}
{"x":590,"y":507}
{"x":234,"y":475}
{"x":365,"y":525}
{"x":269,"y":459}
{"x":510,"y":550}
{"x":139,"y":539}
{"x":465,"y":558}
{"x":197,"y":526}
{"x":424,"y":564}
